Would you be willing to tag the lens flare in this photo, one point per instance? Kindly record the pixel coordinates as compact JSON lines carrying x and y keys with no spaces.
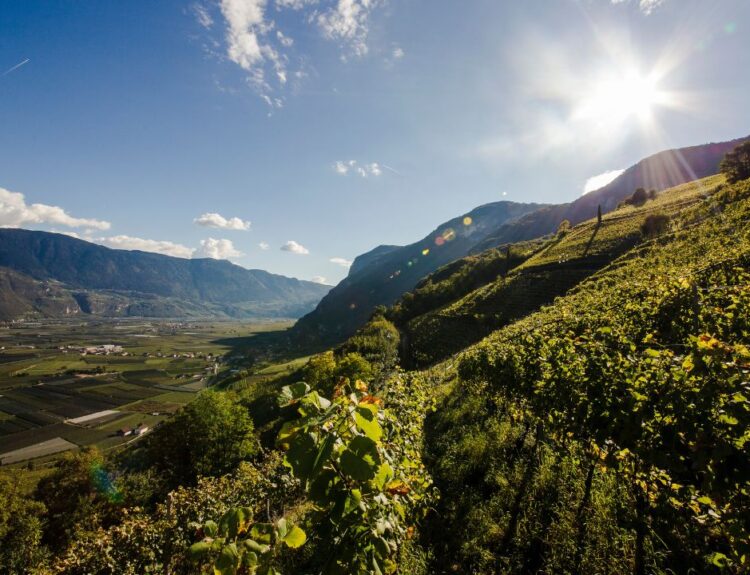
{"x":426,"y":252}
{"x":449,"y":235}
{"x":468,"y":221}
{"x":104,"y":483}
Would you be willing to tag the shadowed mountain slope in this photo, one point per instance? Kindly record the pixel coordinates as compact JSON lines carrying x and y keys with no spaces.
{"x":104,"y":281}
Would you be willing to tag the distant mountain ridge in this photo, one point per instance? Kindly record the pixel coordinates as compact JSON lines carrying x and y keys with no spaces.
{"x":384,"y":274}
{"x":91,"y":279}
{"x":660,"y":171}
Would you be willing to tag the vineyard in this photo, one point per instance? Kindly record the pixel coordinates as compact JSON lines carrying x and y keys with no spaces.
{"x":609,"y":431}
{"x":590,"y":415}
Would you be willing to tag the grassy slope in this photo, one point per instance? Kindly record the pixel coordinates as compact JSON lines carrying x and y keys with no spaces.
{"x":601,"y":434}
{"x":550,"y":272}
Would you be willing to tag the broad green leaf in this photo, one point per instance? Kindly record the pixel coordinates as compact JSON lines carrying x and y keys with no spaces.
{"x":199,"y":549}
{"x":302,"y":455}
{"x":210,"y":528}
{"x":256,"y":547}
{"x":228,"y":561}
{"x":383,"y":476}
{"x":281,"y":528}
{"x":295,"y":538}
{"x":368,"y":423}
{"x":291,"y":393}
{"x":262,"y":532}
{"x":360,"y":459}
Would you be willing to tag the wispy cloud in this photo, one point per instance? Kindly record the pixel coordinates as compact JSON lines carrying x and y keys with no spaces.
{"x":354,"y":167}
{"x":295,"y":248}
{"x":218,"y":249}
{"x":319,"y":280}
{"x":264,"y":246}
{"x":343,"y":262}
{"x":16,"y":67}
{"x":601,"y":180}
{"x":214,"y":220}
{"x":254,"y":40}
{"x":646,"y":6}
{"x":15,"y":212}
{"x":202,"y":16}
{"x":166,"y":248}
{"x":348,"y":23}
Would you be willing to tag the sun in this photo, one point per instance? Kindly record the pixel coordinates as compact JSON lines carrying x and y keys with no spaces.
{"x":616,"y":98}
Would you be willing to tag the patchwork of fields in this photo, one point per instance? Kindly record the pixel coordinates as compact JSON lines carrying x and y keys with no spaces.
{"x":54,"y":397}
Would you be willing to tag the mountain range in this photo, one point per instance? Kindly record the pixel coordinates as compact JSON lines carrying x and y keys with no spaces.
{"x":54,"y":275}
{"x":383,"y":275}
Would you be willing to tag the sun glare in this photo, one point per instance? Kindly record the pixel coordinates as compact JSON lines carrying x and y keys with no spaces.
{"x":617,"y":98}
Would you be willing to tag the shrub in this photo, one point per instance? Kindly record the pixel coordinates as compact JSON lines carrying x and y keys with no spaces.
{"x":639,"y":197}
{"x":736,"y":164}
{"x":655,"y":225}
{"x":563,"y":228}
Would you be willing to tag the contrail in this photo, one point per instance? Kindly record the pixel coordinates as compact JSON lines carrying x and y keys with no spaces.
{"x":16,"y":67}
{"x":392,"y":170}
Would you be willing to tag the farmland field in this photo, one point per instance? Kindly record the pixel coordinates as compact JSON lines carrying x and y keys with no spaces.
{"x":61,"y":389}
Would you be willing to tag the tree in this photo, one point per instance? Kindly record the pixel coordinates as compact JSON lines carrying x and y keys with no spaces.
{"x":20,"y":528}
{"x":353,"y":367}
{"x":736,"y":164}
{"x":319,"y":370}
{"x":563,"y":228}
{"x":209,"y":437}
{"x":79,"y":495}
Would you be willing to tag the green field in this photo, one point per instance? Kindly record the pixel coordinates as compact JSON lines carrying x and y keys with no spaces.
{"x":46,"y":380}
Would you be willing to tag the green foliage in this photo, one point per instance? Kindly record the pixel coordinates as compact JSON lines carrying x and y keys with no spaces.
{"x":209,"y":437}
{"x":609,"y":431}
{"x":353,"y":367}
{"x":736,"y":164}
{"x":237,"y":544}
{"x":320,"y":370}
{"x":377,"y":342}
{"x":20,"y":529}
{"x":159,"y":542}
{"x":563,"y":228}
{"x":655,"y":225}
{"x":78,"y":495}
{"x":363,"y":478}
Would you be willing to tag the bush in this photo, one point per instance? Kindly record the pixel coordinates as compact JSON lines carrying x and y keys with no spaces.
{"x":655,"y":225}
{"x":639,"y":197}
{"x":736,"y":164}
{"x":563,"y":228}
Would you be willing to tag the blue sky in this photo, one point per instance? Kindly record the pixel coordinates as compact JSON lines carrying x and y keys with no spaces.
{"x":236,"y":128}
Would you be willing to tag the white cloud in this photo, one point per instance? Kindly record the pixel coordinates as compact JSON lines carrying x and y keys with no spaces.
{"x":295,"y":248}
{"x":249,"y":45}
{"x":319,"y":280}
{"x":362,"y":170}
{"x":601,"y":180}
{"x":214,"y":220}
{"x":344,"y":263}
{"x":294,"y":4}
{"x":15,"y":212}
{"x":202,"y":16}
{"x":160,"y":247}
{"x":348,"y":23}
{"x":646,"y":6}
{"x":398,"y":53}
{"x":218,"y":249}
{"x":264,"y":246}
{"x":254,"y":42}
